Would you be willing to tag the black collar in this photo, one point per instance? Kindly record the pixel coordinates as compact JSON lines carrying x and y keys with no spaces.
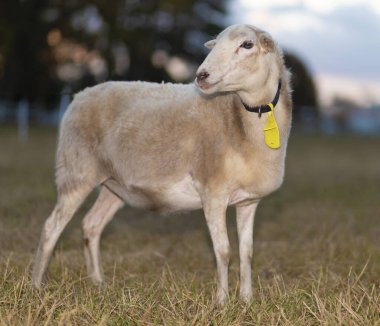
{"x":264,"y":108}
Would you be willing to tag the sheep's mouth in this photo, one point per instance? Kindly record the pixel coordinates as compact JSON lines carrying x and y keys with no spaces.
{"x":204,"y":85}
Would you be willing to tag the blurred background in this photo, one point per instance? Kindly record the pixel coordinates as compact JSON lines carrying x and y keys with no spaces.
{"x":316,"y":240}
{"x":50,"y":49}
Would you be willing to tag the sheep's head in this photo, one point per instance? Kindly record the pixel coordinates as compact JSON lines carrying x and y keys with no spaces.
{"x":241,"y":58}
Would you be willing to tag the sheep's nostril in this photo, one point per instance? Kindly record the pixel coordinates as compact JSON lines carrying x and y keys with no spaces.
{"x":202,"y":75}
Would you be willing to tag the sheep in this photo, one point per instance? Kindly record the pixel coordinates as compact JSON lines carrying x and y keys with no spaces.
{"x":174,"y":147}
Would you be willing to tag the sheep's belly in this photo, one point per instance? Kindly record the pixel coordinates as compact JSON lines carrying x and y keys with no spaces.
{"x":180,"y":196}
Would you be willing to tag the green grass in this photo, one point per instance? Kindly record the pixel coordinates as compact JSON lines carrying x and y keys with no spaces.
{"x":316,"y":247}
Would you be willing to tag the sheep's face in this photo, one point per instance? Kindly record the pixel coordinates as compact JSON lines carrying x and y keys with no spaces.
{"x":240,"y":59}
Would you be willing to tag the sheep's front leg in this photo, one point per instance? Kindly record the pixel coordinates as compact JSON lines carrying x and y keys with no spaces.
{"x":215,"y":213}
{"x":244,"y":218}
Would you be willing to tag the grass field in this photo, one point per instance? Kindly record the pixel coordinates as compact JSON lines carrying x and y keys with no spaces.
{"x":316,"y":247}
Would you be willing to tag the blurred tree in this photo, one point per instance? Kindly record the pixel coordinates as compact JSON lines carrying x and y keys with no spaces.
{"x":304,"y":91}
{"x":26,"y":62}
{"x":47,"y":43}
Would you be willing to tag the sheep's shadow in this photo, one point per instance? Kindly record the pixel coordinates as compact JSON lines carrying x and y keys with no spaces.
{"x":155,"y":223}
{"x":130,"y":218}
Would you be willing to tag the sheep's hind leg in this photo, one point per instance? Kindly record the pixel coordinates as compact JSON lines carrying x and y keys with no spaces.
{"x":68,"y":202}
{"x":102,"y":212}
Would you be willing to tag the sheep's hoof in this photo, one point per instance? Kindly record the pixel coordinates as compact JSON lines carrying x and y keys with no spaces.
{"x":97,"y":281}
{"x":246,"y":297}
{"x":222,"y":298}
{"x":36,"y":285}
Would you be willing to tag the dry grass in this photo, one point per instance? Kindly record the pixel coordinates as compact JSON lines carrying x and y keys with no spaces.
{"x":317,"y":248}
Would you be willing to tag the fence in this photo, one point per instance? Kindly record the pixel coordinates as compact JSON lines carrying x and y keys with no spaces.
{"x":23,"y":113}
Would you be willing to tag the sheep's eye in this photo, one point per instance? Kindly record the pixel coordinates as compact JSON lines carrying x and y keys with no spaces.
{"x":247,"y":45}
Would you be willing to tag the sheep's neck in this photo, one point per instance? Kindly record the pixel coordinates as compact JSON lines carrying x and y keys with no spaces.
{"x":256,"y":95}
{"x":254,"y":124}
{"x":264,"y":108}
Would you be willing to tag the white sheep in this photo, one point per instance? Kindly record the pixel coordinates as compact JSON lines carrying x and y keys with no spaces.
{"x":174,"y":147}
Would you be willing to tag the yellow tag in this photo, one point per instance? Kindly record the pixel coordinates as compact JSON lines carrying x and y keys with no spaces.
{"x":271,"y":132}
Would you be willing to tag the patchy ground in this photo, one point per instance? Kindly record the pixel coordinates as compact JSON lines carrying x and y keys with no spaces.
{"x":316,"y":247}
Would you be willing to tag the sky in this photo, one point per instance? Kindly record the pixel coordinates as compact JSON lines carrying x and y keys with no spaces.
{"x":338,"y":39}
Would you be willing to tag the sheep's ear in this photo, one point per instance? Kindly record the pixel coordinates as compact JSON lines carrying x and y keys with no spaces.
{"x":210,"y":44}
{"x":266,"y":42}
